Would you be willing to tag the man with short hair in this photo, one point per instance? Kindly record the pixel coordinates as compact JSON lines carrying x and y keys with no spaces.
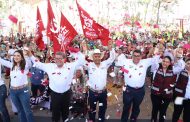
{"x":60,"y":78}
{"x":134,"y":77}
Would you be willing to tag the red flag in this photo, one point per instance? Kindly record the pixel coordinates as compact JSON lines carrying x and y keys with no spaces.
{"x":52,"y":29}
{"x":137,"y":23}
{"x":91,"y":29}
{"x":66,"y":33}
{"x":39,"y":29}
{"x":87,"y":22}
{"x":103,"y":33}
{"x":13,"y":19}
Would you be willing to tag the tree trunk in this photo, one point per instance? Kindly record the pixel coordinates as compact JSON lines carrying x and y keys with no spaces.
{"x":158,"y":12}
{"x":108,"y":18}
{"x":146,"y":11}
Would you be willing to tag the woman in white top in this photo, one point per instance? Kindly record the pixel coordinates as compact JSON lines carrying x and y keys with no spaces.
{"x":19,"y":91}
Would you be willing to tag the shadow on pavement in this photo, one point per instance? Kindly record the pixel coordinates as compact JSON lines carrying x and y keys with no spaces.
{"x":48,"y":119}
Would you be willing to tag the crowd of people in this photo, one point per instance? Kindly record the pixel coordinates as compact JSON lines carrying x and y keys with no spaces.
{"x":75,"y":81}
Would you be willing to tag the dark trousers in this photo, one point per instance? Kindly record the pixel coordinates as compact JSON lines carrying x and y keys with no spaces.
{"x":60,"y":105}
{"x":159,"y":104}
{"x":93,"y":98}
{"x":185,"y":107}
{"x":1,"y":119}
{"x":177,"y":112}
{"x":4,"y":114}
{"x":186,"y":112}
{"x":79,"y":107}
{"x":132,"y":96}
{"x":35,"y":88}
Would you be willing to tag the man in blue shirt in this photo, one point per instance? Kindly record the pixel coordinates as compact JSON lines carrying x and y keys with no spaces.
{"x":36,"y":78}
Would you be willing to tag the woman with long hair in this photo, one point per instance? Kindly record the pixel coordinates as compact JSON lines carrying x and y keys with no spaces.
{"x":19,"y":90}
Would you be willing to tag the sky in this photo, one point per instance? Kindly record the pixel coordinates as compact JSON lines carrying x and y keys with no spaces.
{"x":184,"y":7}
{"x":97,"y":11}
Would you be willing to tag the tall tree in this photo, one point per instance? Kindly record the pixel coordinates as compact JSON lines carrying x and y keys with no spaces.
{"x":166,"y":6}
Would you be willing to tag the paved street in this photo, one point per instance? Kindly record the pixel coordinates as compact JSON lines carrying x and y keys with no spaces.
{"x":114,"y":109}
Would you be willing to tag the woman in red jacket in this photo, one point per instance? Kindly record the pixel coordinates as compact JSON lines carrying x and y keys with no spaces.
{"x":162,"y":87}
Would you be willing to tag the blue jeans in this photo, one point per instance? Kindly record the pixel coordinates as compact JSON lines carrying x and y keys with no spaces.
{"x":21,"y":99}
{"x":93,"y":99}
{"x":132,"y":96}
{"x":3,"y":108}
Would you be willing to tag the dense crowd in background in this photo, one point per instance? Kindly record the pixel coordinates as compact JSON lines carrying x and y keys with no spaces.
{"x":165,"y":43}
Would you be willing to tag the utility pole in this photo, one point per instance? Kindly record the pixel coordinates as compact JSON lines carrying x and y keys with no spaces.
{"x":181,"y":24}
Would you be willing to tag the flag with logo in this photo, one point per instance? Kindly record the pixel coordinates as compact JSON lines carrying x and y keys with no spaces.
{"x":39,"y":29}
{"x":66,"y":32}
{"x":52,"y":28}
{"x":91,"y":29}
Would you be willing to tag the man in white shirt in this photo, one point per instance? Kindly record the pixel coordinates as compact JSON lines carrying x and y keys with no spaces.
{"x":97,"y":83}
{"x":60,"y":78}
{"x":134,"y":77}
